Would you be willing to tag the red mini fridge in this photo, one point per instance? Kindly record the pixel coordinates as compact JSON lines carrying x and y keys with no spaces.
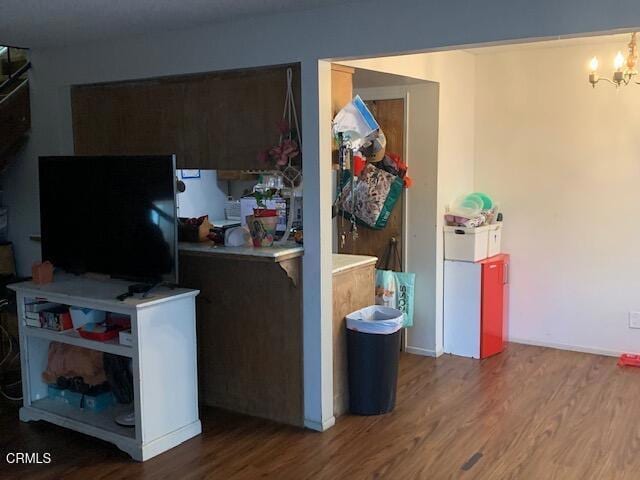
{"x":476,"y":306}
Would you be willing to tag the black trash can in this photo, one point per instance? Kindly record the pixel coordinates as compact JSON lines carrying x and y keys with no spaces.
{"x":373,"y":350}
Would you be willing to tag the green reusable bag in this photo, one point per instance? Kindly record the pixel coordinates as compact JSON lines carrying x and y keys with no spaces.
{"x":405,"y":283}
{"x":395,"y":289}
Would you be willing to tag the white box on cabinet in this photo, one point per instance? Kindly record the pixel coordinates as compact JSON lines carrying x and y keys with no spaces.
{"x":495,"y":239}
{"x":466,"y":244}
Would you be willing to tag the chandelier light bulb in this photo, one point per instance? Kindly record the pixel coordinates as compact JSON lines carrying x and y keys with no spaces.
{"x":594,"y":64}
{"x":619,"y":61}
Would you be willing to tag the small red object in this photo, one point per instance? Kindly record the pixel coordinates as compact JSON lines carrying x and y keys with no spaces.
{"x":100,"y":336}
{"x":42,"y":273}
{"x":358,"y":165}
{"x":265,"y":212}
{"x":629,"y":360}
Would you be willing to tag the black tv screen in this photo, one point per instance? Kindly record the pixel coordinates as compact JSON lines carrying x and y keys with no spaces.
{"x":114,"y":215}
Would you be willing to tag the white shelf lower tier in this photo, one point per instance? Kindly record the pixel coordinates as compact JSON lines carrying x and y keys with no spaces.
{"x":72,"y":337}
{"x":101,"y":425}
{"x":102,"y":421}
{"x":97,"y":424}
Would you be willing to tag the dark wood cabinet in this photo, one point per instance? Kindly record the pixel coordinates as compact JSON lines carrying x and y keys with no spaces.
{"x":249,"y":321}
{"x":217,"y":120}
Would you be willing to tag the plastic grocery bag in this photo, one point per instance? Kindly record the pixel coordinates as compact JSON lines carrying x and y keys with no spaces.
{"x":385,"y":288}
{"x":396,"y":290}
{"x":355,"y":122}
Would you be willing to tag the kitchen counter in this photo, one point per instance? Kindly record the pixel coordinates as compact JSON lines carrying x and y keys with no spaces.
{"x":343,"y":262}
{"x":262,"y":254}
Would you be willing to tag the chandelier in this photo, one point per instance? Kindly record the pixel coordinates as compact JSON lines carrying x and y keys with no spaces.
{"x":625,"y":68}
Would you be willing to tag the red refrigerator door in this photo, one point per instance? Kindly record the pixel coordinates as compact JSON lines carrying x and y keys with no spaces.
{"x":492,"y":320}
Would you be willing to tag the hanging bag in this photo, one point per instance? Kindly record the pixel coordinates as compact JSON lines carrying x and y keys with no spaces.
{"x":375,"y":193}
{"x":395,"y":289}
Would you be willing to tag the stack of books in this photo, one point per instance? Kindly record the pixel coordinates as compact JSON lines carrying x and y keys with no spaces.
{"x":53,"y":316}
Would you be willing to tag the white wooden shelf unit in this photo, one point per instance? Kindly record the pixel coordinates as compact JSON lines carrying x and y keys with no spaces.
{"x":163,"y":363}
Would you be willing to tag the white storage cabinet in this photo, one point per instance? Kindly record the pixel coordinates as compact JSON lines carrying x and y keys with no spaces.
{"x":164,"y":366}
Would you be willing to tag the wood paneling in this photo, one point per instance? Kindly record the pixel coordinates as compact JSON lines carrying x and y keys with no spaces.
{"x":352,"y":290}
{"x":528,"y":413}
{"x":390,"y":116}
{"x":341,"y":87}
{"x":217,"y":120}
{"x":341,"y":94}
{"x":249,"y":318}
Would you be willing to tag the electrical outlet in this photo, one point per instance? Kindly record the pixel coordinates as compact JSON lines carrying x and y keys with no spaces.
{"x":634,"y":319}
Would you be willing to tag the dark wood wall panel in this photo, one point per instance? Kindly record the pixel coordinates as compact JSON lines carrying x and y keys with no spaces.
{"x":249,"y":320}
{"x":217,"y":120}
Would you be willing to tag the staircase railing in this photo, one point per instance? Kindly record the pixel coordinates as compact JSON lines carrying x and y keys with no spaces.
{"x":14,"y":77}
{"x":8,"y":65}
{"x":15,"y":111}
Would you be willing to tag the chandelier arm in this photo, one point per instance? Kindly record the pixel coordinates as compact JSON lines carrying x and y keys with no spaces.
{"x":606,"y":80}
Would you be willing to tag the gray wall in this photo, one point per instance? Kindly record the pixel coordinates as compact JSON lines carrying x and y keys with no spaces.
{"x":296,"y":36}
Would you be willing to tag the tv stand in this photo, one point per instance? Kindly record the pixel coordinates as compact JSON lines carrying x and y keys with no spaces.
{"x":164,"y":349}
{"x":144,"y":289}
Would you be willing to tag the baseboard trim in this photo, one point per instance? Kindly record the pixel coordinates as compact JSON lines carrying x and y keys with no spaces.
{"x":423,"y":351}
{"x":319,"y":426}
{"x":562,"y":346}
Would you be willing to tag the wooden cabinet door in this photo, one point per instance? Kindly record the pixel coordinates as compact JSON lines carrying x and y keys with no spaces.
{"x":212,"y":121}
{"x":129,"y":119}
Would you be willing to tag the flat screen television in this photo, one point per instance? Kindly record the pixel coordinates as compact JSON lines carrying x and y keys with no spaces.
{"x":113,"y":215}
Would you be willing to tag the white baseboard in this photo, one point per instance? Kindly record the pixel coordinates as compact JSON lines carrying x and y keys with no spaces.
{"x":423,"y":351}
{"x":320,"y":427}
{"x":562,"y":346}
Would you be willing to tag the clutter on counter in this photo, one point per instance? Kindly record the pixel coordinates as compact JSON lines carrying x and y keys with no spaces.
{"x":194,"y":229}
{"x":276,"y":253}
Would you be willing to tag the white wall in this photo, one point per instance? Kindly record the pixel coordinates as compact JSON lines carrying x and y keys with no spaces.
{"x":564,"y":161}
{"x":436,"y":184}
{"x":294,"y":36}
{"x":203,"y":196}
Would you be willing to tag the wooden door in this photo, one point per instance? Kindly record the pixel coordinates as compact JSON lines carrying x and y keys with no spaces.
{"x":390,"y":115}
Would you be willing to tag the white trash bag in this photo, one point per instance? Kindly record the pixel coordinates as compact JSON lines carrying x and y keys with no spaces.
{"x":375,"y":319}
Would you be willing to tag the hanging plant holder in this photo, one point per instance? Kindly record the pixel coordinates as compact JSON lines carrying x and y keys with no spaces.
{"x":281,"y":156}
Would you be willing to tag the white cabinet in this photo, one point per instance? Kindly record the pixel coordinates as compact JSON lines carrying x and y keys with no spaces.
{"x":163,"y":363}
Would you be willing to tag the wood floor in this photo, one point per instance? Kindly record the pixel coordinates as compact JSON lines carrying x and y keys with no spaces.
{"x":529,"y":413}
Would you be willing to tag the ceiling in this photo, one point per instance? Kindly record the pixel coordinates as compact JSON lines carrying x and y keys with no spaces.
{"x":43,"y":23}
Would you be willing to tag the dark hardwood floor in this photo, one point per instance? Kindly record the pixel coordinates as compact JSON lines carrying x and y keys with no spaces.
{"x":529,"y":413}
